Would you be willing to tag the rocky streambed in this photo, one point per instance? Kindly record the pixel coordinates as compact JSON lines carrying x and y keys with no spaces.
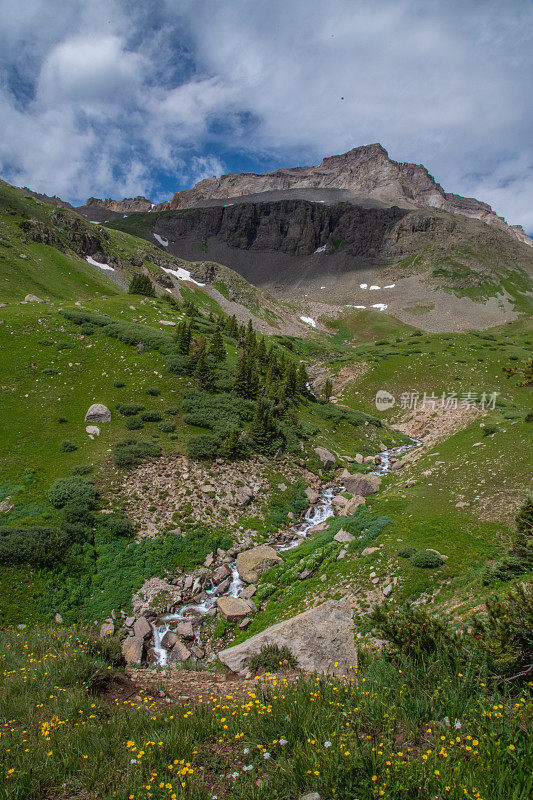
{"x":170,"y":615}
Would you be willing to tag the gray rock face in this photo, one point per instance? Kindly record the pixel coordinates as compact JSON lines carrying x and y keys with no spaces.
{"x":252,"y":563}
{"x":321,"y":640}
{"x":362,"y":485}
{"x":328,"y":459}
{"x":98,"y":413}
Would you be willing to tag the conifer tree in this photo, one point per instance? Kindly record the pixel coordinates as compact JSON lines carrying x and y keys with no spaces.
{"x":328,"y":389}
{"x":216,"y":346}
{"x":302,"y":379}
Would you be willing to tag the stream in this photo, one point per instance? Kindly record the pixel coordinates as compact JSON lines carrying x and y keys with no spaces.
{"x":315,"y":514}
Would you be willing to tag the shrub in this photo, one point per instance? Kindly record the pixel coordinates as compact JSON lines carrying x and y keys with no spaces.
{"x":119,"y":384}
{"x":271,"y":657}
{"x":62,"y":420}
{"x":407,"y":552}
{"x":50,"y":371}
{"x":66,"y":446}
{"x":86,"y":329}
{"x":128,"y":409}
{"x":130,"y":452}
{"x":178,"y":365}
{"x":172,"y":410}
{"x":204,"y":447}
{"x":489,"y":430}
{"x":506,"y":633}
{"x":153,"y":391}
{"x":134,"y":423}
{"x":151,"y":416}
{"x":141,"y":284}
{"x":117,"y":524}
{"x":81,"y":469}
{"x":167,"y":426}
{"x":75,"y":490}
{"x":427,"y":559}
{"x":36,"y":545}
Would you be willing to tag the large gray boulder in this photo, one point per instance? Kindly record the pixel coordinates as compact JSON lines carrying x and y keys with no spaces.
{"x":328,"y":459}
{"x":362,"y":485}
{"x":321,"y":640}
{"x":252,"y":563}
{"x":32,"y":298}
{"x":132,"y":650}
{"x":233,"y":608}
{"x":98,"y":413}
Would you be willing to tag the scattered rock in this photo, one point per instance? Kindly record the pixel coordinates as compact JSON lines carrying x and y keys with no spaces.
{"x":387,"y":590}
{"x":92,"y":430}
{"x":98,"y":413}
{"x":248,"y":591}
{"x":359,"y":458}
{"x":243,"y":496}
{"x":221,"y":573}
{"x":169,"y":640}
{"x":282,"y":487}
{"x":339,"y":503}
{"x":58,"y":618}
{"x":5,"y":506}
{"x":32,"y":298}
{"x":328,"y":459}
{"x":352,"y":504}
{"x":369,"y":550}
{"x":233,"y":608}
{"x":252,"y":563}
{"x":311,"y":495}
{"x":185,"y":630}
{"x":129,"y":622}
{"x":310,"y":796}
{"x":344,"y":537}
{"x":155,"y":595}
{"x":321,"y":640}
{"x":179,"y":653}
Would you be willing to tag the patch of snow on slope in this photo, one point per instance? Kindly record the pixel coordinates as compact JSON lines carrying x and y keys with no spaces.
{"x":321,"y":249}
{"x":374,"y":287}
{"x":182,"y":275}
{"x":97,"y":264}
{"x":355,"y":306}
{"x":160,"y":239}
{"x":309,"y":321}
{"x":390,"y":286}
{"x":363,"y":285}
{"x":380,"y":306}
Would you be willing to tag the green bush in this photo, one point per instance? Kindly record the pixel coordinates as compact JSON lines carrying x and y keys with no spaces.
{"x":129,"y":409}
{"x":271,"y":657}
{"x":86,"y":329}
{"x":153,"y":391}
{"x":204,"y":447}
{"x":35,"y":545}
{"x":178,"y":365}
{"x":151,"y":416}
{"x":134,"y":423}
{"x":119,"y":384}
{"x":117,"y":524}
{"x":221,"y":413}
{"x":407,"y":552}
{"x":489,"y":430}
{"x":131,"y":452}
{"x":81,"y":469}
{"x":73,"y":491}
{"x":173,"y":410}
{"x":427,"y":559}
{"x":167,"y":426}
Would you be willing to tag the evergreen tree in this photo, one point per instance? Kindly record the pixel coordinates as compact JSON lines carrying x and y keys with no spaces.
{"x":290,"y":382}
{"x":263,"y":428}
{"x":141,"y":284}
{"x":203,"y":372}
{"x":242,"y":375}
{"x":302,"y":380}
{"x":216,"y":346}
{"x":328,"y":389}
{"x":183,"y":338}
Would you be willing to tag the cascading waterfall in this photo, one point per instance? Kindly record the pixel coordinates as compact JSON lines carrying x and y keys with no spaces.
{"x":315,"y":514}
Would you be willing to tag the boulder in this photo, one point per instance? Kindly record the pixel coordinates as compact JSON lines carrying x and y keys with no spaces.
{"x":252,"y":563}
{"x":132,"y":650}
{"x":32,"y":298}
{"x":317,"y":529}
{"x":221,"y":573}
{"x":369,"y":550}
{"x":243,"y":496}
{"x":359,"y":458}
{"x":179,"y":653}
{"x":142,"y":628}
{"x":328,"y":459}
{"x":58,"y":618}
{"x":154,"y":596}
{"x":343,"y":537}
{"x":169,"y":640}
{"x":311,"y":495}
{"x":107,"y":629}
{"x":248,"y":591}
{"x":185,"y":630}
{"x":129,"y":622}
{"x":98,"y":413}
{"x":339,"y":504}
{"x":352,"y":504}
{"x":233,"y":608}
{"x":362,"y":485}
{"x":321,"y":640}
{"x":92,"y":430}
{"x":387,"y":591}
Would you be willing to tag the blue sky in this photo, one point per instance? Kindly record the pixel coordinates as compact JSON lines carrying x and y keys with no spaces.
{"x":113,"y":98}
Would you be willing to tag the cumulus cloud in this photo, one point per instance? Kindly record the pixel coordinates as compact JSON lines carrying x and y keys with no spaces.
{"x":108,"y":97}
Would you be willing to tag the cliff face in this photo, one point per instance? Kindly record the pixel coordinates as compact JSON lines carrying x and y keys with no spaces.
{"x":364,"y":171}
{"x":125,"y":206}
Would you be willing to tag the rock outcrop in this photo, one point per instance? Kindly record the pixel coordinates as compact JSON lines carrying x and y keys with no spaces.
{"x":127,"y":205}
{"x":362,"y":485}
{"x":98,"y":413}
{"x":321,"y":640}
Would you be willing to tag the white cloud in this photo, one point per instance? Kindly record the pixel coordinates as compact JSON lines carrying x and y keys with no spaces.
{"x":101,"y":97}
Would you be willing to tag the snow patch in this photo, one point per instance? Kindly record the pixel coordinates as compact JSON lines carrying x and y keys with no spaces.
{"x":322,"y":287}
{"x":355,"y":306}
{"x":321,"y":249}
{"x":374,"y":287}
{"x":309,"y":321}
{"x":160,"y":239}
{"x":182,"y":275}
{"x":97,"y":264}
{"x":380,"y":306}
{"x":94,"y":222}
{"x":390,"y":286}
{"x":363,"y":285}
